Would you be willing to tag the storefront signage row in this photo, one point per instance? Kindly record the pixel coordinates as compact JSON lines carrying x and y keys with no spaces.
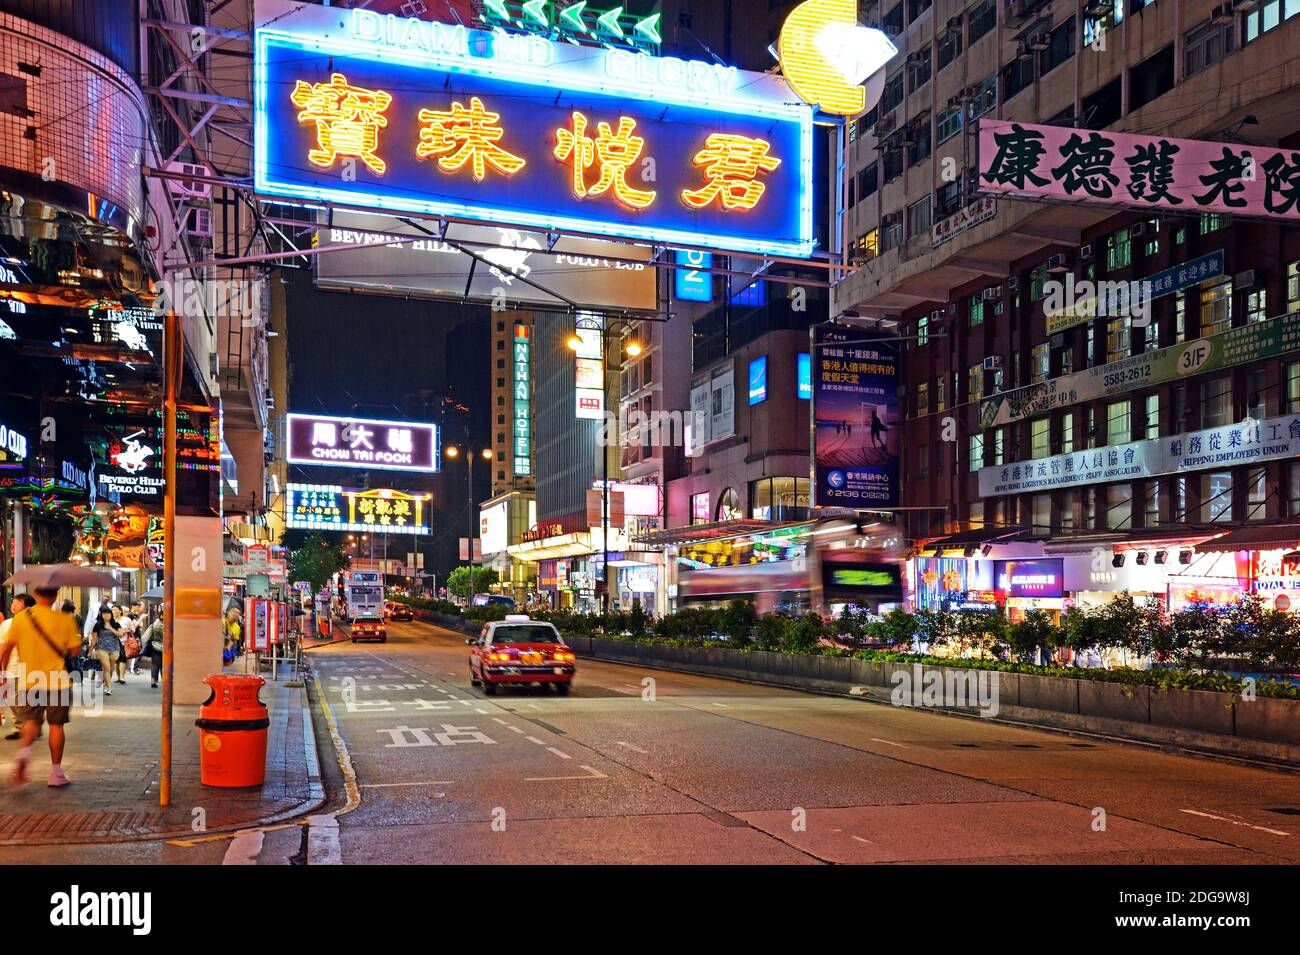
{"x":1236,"y":346}
{"x":1248,"y":442}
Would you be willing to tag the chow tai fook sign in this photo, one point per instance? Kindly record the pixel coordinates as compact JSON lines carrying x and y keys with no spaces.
{"x":326,"y":507}
{"x":362,"y":443}
{"x":405,"y":115}
{"x":1252,"y":441}
{"x":1139,"y":171}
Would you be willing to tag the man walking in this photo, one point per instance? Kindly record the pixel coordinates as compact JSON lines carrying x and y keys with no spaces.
{"x":42,"y":637}
{"x":20,"y":603}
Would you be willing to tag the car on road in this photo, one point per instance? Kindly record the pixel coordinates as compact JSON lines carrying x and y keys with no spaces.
{"x":486,"y":600}
{"x":369,"y":627}
{"x":519,"y":650}
{"x":396,"y":611}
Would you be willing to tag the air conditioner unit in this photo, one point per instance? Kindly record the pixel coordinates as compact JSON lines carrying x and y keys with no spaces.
{"x":954,"y":24}
{"x":200,"y":223}
{"x":951,"y":309}
{"x":1039,"y":41}
{"x":936,"y":316}
{"x":1097,"y":9}
{"x":1085,"y":252}
{"x":1223,"y":16}
{"x":972,"y":92}
{"x":992,"y":294}
{"x":1139,"y":230}
{"x":1061,"y":262}
{"x":1244,"y":279}
{"x":992,"y":362}
{"x":1057,"y":341}
{"x":1013,"y":283}
{"x":190,"y":188}
{"x":886,"y":124}
{"x":954,"y":102}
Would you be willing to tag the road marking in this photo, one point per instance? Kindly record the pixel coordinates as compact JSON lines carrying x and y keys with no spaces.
{"x":723,"y":705}
{"x":559,"y":752}
{"x":887,"y":742}
{"x":534,"y":739}
{"x":497,"y":719}
{"x":1235,"y":822}
{"x":635,"y":749}
{"x":513,"y":729}
{"x":323,"y":841}
{"x":534,"y":706}
{"x":244,"y":849}
{"x":591,"y":774}
{"x":867,"y":841}
{"x":426,"y":782}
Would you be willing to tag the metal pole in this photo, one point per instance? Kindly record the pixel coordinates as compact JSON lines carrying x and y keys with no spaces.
{"x":174,"y":352}
{"x":604,"y":471}
{"x":469,"y":587}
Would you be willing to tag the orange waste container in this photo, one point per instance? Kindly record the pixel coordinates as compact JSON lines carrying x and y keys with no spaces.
{"x":232,"y":732}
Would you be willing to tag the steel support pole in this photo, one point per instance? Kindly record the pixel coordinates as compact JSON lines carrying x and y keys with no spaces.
{"x":173,"y":357}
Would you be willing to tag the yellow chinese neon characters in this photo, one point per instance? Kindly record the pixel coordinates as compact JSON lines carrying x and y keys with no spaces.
{"x":348,"y":120}
{"x":614,"y":151}
{"x":469,"y":135}
{"x":731,"y":165}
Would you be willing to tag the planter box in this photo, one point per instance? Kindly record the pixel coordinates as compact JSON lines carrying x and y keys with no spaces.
{"x":803,"y":667}
{"x":761,"y":663}
{"x":1267,"y":718}
{"x":1200,"y":710}
{"x":835,"y":670}
{"x":1057,"y":694}
{"x":867,"y":673}
{"x":1116,"y":701}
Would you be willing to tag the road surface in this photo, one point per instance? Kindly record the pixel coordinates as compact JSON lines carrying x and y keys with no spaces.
{"x":646,"y":766}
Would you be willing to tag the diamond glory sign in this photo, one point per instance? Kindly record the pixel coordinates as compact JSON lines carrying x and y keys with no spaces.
{"x":362,"y":443}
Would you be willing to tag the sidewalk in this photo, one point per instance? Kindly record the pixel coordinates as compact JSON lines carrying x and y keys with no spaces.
{"x":112,"y":759}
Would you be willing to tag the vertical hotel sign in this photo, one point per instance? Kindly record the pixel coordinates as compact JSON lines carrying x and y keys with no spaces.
{"x":522,"y":420}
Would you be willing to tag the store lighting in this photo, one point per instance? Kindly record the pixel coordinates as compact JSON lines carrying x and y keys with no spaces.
{"x":1142,"y":557}
{"x":633,"y":349}
{"x":1117,"y":560}
{"x":1162,"y":556}
{"x":1184,"y":557}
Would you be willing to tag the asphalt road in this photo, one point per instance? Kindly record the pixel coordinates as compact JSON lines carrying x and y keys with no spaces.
{"x":646,"y":766}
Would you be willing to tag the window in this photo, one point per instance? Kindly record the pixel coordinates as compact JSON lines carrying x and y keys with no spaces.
{"x":1268,"y":16}
{"x":1040,"y":441}
{"x":1293,"y":490}
{"x":918,"y":70}
{"x":1119,"y":430}
{"x":701,"y":512}
{"x":1208,"y":44}
{"x":892,"y":234}
{"x":1151,"y":416}
{"x":1293,"y":287}
{"x":939,"y":404}
{"x":1067,"y":361}
{"x":921,"y":142}
{"x":1257,"y":305}
{"x":999,"y":437}
{"x":949,"y":47}
{"x":1067,"y":432}
{"x":976,"y":451}
{"x":1291,"y":381}
{"x":976,"y":310}
{"x":893,"y":21}
{"x":918,"y":218}
{"x":1016,"y":76}
{"x":1151,"y":78}
{"x":975,"y":383}
{"x":1216,"y":401}
{"x":868,"y":181}
{"x":1040,"y":363}
{"x":923,"y":461}
{"x":1091,"y":337}
{"x":1095,"y":27}
{"x":1216,"y":306}
{"x":986,"y":98}
{"x":1119,"y":506}
{"x":983,"y":18}
{"x":1063,"y":45}
{"x":1151,"y":504}
{"x":922,"y":399}
{"x":1119,"y":251}
{"x":1256,"y":494}
{"x":893,"y":94}
{"x":948,"y":198}
{"x":729,"y":506}
{"x":1214,"y":221}
{"x":1216,"y":496}
{"x":950,"y":122}
{"x":1041,"y":512}
{"x":1180,"y":317}
{"x":1038,"y":283}
{"x":779,"y":499}
{"x":1118,"y":338}
{"x":867,"y":246}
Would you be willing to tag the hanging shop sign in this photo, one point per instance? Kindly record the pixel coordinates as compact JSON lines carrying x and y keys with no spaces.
{"x":1266,"y":339}
{"x":868,"y":579}
{"x":1147,"y":172}
{"x":326,"y":507}
{"x":855,"y":388}
{"x":693,"y":282}
{"x":1039,"y":577}
{"x":826,"y":55}
{"x":362,"y":443}
{"x":522,"y":418}
{"x":967,"y":217}
{"x":436,"y":119}
{"x":1248,"y":442}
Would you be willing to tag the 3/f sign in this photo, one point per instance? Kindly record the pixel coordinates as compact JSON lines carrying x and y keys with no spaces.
{"x":694,"y":282}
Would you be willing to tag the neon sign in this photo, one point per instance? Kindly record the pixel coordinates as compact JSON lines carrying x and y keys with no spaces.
{"x":405,"y":115}
{"x":523,"y":422}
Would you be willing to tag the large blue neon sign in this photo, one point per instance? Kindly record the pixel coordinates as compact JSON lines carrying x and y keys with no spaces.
{"x":440,"y":120}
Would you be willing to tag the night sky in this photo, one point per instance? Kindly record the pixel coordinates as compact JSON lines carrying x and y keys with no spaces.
{"x":387,"y":357}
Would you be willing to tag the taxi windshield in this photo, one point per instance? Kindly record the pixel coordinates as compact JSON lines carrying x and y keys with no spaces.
{"x":525,"y":633}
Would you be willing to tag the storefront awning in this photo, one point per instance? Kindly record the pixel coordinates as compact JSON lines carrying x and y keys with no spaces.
{"x":1129,"y":540}
{"x":976,"y":537}
{"x":1262,"y":537}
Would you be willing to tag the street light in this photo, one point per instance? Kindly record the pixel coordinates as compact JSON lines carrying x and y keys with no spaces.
{"x":631,"y":349}
{"x":452,"y":452}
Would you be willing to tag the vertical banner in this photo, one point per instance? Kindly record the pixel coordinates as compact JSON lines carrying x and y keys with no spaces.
{"x":856,"y":420}
{"x":522,"y":419}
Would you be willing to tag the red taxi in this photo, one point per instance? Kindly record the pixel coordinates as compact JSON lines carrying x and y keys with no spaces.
{"x":370,"y":627}
{"x":518,"y":650}
{"x":396,"y":611}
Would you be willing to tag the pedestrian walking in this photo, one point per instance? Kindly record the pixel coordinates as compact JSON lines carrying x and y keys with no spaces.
{"x":106,"y":645}
{"x":42,"y":637}
{"x":132,"y":628}
{"x":152,"y":641}
{"x":20,"y":603}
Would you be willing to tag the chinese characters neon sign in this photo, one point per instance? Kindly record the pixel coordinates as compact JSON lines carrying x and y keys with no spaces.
{"x":532,"y":133}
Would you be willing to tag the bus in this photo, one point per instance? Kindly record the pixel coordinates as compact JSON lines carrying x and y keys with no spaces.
{"x":363,"y":592}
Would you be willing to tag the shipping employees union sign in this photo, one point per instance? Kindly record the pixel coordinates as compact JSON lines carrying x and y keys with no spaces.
{"x":362,"y":443}
{"x":406,"y":115}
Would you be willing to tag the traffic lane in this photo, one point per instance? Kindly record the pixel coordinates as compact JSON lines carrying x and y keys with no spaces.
{"x":1233,"y":803}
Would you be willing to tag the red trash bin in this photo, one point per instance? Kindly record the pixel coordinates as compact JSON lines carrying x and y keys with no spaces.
{"x":232,"y":732}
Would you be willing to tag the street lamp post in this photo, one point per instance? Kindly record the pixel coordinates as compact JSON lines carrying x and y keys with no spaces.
{"x":452,"y":451}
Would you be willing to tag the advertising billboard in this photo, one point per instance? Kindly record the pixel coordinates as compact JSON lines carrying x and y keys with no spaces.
{"x":482,"y":262}
{"x":758,"y":380}
{"x":855,"y":388}
{"x":1140,"y":171}
{"x":363,"y":443}
{"x":1040,"y":577}
{"x":327,"y":507}
{"x":695,"y":282}
{"x":522,"y":417}
{"x":436,"y":119}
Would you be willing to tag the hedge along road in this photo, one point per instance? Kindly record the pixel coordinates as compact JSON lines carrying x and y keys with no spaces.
{"x":642,"y":766}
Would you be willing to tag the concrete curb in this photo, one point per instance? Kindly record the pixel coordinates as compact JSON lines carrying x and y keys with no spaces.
{"x":1176,"y":719}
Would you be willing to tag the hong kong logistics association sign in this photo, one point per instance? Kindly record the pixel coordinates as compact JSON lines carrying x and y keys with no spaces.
{"x":406,"y":115}
{"x":362,"y":443}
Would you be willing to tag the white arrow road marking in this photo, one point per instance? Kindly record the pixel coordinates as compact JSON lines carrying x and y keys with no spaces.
{"x":591,"y":774}
{"x":1235,"y":822}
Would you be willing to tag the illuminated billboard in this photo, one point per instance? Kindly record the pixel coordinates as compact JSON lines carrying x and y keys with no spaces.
{"x":405,"y":115}
{"x":326,"y":507}
{"x":362,"y":443}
